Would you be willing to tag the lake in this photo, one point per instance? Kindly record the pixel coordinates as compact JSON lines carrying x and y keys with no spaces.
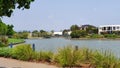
{"x":53,"y":44}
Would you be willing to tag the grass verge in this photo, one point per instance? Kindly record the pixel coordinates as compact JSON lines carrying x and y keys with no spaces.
{"x":15,"y":41}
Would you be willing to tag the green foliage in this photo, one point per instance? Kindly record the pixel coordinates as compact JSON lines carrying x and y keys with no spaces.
{"x":67,"y":56}
{"x":43,"y":56}
{"x":21,"y":35}
{"x":74,"y":27}
{"x":113,"y":36}
{"x":10,"y":30}
{"x":78,"y":34}
{"x":105,"y":60}
{"x":96,"y":36}
{"x":41,"y":33}
{"x":6,"y":29}
{"x":91,"y":29}
{"x":7,"y":6}
{"x":13,"y":40}
{"x":3,"y":28}
{"x":2,"y":44}
{"x":5,"y":52}
{"x":22,"y":52}
{"x":3,"y":41}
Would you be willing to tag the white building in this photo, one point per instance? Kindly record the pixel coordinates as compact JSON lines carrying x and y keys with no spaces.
{"x":58,"y":33}
{"x":69,"y":32}
{"x":108,"y":28}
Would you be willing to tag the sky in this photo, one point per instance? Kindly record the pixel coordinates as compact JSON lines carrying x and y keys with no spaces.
{"x":61,"y":14}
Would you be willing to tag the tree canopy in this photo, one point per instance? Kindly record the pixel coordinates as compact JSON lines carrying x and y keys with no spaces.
{"x":10,"y":30}
{"x":74,"y":27}
{"x":7,"y":6}
{"x":6,"y":29}
{"x":3,"y":28}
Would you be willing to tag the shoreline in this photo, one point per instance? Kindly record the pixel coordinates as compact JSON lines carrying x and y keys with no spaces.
{"x":17,"y":43}
{"x":93,"y":38}
{"x":81,"y":38}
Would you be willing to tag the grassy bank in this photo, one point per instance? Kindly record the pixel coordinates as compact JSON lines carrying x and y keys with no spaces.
{"x":15,"y":41}
{"x":64,"y":57}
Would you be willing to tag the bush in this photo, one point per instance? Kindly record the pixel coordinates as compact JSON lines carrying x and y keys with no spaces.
{"x":96,"y":36}
{"x":3,"y":41}
{"x":2,"y":44}
{"x":43,"y":56}
{"x":23,"y":52}
{"x":5,"y":52}
{"x":105,"y":60}
{"x":68,"y":56}
{"x":113,"y":36}
{"x":78,"y":34}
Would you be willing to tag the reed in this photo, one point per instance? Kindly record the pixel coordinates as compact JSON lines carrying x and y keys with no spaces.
{"x":67,"y":56}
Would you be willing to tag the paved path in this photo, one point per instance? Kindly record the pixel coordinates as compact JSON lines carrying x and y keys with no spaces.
{"x":12,"y":63}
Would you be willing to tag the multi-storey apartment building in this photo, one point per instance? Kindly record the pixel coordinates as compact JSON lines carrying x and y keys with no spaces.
{"x":108,"y":28}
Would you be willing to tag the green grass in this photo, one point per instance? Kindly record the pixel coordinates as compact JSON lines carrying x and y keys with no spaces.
{"x":12,"y":40}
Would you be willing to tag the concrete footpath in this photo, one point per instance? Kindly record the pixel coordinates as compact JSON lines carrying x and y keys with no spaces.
{"x":12,"y":63}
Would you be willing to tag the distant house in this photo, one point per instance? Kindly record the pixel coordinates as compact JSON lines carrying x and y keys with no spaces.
{"x":108,"y":29}
{"x":90,"y":29}
{"x":84,"y":27}
{"x":57,"y":33}
{"x":69,"y":32}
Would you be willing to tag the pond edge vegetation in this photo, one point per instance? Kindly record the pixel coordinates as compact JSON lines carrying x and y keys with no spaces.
{"x":67,"y":56}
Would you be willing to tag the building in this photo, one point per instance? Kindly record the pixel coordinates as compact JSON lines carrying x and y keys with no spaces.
{"x":57,"y":33}
{"x":108,"y":29}
{"x":85,"y":27}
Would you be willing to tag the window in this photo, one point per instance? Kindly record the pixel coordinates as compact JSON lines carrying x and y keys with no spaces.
{"x":113,"y":28}
{"x":104,"y":28}
{"x":118,"y":27}
{"x":109,"y":28}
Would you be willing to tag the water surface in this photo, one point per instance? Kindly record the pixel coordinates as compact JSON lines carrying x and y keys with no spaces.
{"x":53,"y":44}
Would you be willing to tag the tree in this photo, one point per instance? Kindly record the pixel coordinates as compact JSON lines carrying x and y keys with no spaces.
{"x":3,"y":28}
{"x":42,"y":31}
{"x":35,"y":33}
{"x":78,"y":34}
{"x":10,"y":30}
{"x":8,"y":6}
{"x":91,"y":30}
{"x":74,"y":27}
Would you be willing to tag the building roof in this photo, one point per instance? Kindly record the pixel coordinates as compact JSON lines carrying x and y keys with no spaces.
{"x":108,"y":25}
{"x":87,"y":25}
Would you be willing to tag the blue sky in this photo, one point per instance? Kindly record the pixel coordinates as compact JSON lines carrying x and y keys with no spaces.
{"x":61,"y":14}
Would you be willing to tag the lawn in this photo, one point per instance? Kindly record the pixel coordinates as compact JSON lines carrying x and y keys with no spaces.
{"x":14,"y":41}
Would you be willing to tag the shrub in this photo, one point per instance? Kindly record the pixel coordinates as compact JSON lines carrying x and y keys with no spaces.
{"x":23,"y":52}
{"x":68,"y":56}
{"x":113,"y":36}
{"x":5,"y":52}
{"x":105,"y":60}
{"x":96,"y":36}
{"x":3,"y":41}
{"x":43,"y":56}
{"x":2,"y":44}
{"x":78,"y":34}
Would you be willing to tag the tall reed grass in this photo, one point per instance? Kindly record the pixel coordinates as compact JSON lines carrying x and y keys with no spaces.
{"x":67,"y":56}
